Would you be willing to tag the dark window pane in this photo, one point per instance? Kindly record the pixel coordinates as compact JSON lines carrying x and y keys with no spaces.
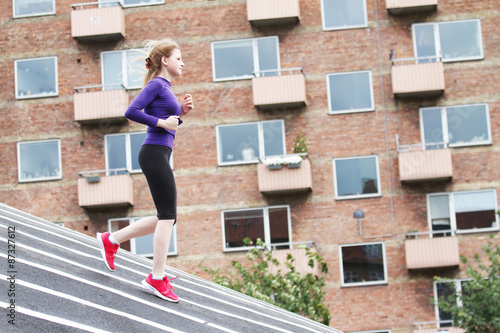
{"x":242,"y":224}
{"x":278,"y":220}
{"x":363,"y":263}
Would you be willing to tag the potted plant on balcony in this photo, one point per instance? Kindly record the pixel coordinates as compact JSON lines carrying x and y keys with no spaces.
{"x":299,"y":145}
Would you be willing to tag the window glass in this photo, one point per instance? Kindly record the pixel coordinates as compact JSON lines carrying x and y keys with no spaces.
{"x":432,"y":127}
{"x":350,"y":92}
{"x":131,"y":3}
{"x":444,"y":290}
{"x":235,"y":59}
{"x":122,"y":68}
{"x":36,"y":78}
{"x":475,"y":210}
{"x":363,"y":264}
{"x":116,"y":153}
{"x":136,"y":140}
{"x":246,"y":143}
{"x":39,"y":160}
{"x":33,"y":7}
{"x":356,"y":177}
{"x":440,"y":213}
{"x":344,"y":14}
{"x":278,"y":225}
{"x":425,"y":42}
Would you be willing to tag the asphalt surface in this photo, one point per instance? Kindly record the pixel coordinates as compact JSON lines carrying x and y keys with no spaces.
{"x":52,"y":279}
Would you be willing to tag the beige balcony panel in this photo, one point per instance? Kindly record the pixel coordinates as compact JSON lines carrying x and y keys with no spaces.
{"x":109,"y":191}
{"x":434,"y":252}
{"x":279,"y":91}
{"x":301,"y":262}
{"x":99,"y":105}
{"x":285,"y":180}
{"x":425,"y":165}
{"x":273,"y":12}
{"x":418,"y":79}
{"x":440,"y":330}
{"x":404,"y":7}
{"x":98,"y":23}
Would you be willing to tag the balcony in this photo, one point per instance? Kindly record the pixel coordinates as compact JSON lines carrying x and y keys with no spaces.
{"x":440,"y":330}
{"x":94,"y":106}
{"x":406,"y":7}
{"x":417,"y":79}
{"x":273,"y":90}
{"x":418,"y":165}
{"x":436,"y":252}
{"x":106,"y":22}
{"x":275,"y":12}
{"x":284,"y":178}
{"x":301,"y":262}
{"x":95,"y":191}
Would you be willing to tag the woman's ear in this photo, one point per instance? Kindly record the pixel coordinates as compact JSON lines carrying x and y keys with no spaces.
{"x":164,"y":60}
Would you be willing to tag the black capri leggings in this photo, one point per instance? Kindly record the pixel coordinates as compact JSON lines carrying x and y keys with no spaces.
{"x":154,"y":162}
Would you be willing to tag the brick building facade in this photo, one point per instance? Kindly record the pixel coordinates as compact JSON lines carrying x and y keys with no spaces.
{"x":397,"y":101}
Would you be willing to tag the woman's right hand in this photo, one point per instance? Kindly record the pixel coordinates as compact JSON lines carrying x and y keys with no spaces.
{"x":171,"y":123}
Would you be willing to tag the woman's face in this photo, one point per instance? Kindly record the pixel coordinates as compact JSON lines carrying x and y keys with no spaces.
{"x":175,"y":64}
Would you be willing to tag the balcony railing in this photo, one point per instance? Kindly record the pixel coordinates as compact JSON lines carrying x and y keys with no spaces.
{"x":106,"y":22}
{"x":417,"y":79}
{"x":301,"y":262}
{"x":272,"y":90}
{"x":91,"y":106}
{"x":417,"y":164}
{"x":284,"y":179}
{"x":96,"y":191}
{"x":404,"y":7}
{"x":275,"y":12}
{"x":436,"y":252}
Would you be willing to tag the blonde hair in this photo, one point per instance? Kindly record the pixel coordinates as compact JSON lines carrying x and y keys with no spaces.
{"x":157,"y":49}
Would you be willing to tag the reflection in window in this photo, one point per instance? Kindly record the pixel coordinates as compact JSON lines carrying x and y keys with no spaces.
{"x":464,"y":125}
{"x":453,"y":41}
{"x":239,"y":59}
{"x":450,"y":291}
{"x":33,"y":7}
{"x":271,"y":224}
{"x":36,"y":78}
{"x":343,"y":14}
{"x":122,"y":151}
{"x":463,"y":211}
{"x":124,"y":67}
{"x":247,"y":142}
{"x":350,"y":92}
{"x":356,"y":177}
{"x":141,"y":245}
{"x":363,"y":264}
{"x":39,"y":160}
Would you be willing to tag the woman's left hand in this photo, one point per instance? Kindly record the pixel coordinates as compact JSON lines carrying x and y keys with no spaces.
{"x":187,"y":104}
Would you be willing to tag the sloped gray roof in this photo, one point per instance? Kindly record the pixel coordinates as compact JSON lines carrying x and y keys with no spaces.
{"x":57,"y":282}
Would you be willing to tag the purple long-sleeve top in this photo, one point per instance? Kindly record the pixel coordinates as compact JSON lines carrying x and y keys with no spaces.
{"x":158,"y":102}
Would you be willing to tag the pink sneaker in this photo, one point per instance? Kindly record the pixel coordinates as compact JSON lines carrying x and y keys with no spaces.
{"x":160,"y":288}
{"x":108,"y":250}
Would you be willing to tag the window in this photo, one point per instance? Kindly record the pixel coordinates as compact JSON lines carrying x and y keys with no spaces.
{"x":239,"y":59}
{"x":271,"y":224}
{"x":141,"y":245}
{"x":446,"y":290}
{"x":453,"y":41}
{"x":136,"y":3}
{"x":356,"y":177}
{"x":122,"y":152}
{"x":350,"y":92}
{"x":36,"y":78}
{"x":463,"y":212}
{"x":23,"y":8}
{"x":247,"y":142}
{"x":343,"y":14}
{"x":125,"y":68}
{"x":363,"y":264}
{"x":458,"y":126}
{"x":39,"y":160}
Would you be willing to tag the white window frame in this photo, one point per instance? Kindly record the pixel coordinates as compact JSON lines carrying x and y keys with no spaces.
{"x":451,"y":205}
{"x":255,"y":57}
{"x":358,"y":196}
{"x":371,"y":108}
{"x":444,"y":122}
{"x":437,"y":40}
{"x":125,"y":69}
{"x":39,"y":179}
{"x":361,"y":284}
{"x":156,"y":2}
{"x":458,"y":288}
{"x":325,"y":28}
{"x":260,"y":138}
{"x":173,"y":239}
{"x":267,"y":229}
{"x":39,"y":95}
{"x":53,"y":12}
